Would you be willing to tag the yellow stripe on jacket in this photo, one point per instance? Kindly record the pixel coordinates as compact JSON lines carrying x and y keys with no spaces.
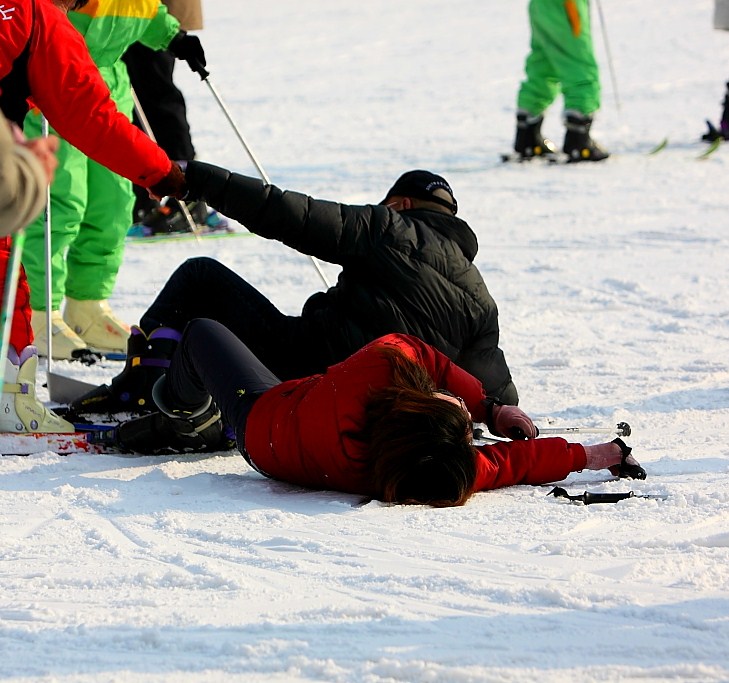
{"x":142,"y":9}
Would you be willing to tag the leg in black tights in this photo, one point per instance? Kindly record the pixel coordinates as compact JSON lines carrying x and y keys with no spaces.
{"x":212,"y":361}
{"x":151,"y":74}
{"x":204,"y":288}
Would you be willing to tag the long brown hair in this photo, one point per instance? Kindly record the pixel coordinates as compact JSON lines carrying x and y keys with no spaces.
{"x":418,"y":446}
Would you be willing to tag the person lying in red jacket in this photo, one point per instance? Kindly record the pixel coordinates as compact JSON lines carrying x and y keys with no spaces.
{"x":392,"y":422}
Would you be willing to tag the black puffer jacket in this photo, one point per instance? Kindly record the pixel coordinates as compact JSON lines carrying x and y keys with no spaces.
{"x":409,"y":272}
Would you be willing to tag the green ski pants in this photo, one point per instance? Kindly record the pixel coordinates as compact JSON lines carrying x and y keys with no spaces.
{"x":91,"y":211}
{"x":561,"y":58}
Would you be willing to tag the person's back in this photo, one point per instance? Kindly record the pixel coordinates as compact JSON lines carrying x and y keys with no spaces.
{"x":414,"y":274}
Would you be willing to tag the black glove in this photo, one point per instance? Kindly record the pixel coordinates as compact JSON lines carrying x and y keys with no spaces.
{"x":189,"y":48}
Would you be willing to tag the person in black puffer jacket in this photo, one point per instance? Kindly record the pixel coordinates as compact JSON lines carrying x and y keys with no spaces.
{"x":407,"y":266}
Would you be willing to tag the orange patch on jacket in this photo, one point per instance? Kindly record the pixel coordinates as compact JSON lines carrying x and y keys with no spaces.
{"x":574,"y":17}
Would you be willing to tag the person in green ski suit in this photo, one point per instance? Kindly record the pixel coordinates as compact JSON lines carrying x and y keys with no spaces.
{"x":562,"y":59}
{"x":90,"y":205}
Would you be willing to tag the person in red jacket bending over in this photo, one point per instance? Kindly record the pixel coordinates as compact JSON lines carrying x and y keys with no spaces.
{"x":392,"y":422}
{"x":45,"y":62}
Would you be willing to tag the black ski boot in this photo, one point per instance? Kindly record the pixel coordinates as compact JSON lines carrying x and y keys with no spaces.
{"x":169,"y":218}
{"x":578,"y":145}
{"x":723,"y":130}
{"x":172,"y":430}
{"x":529,"y":140}
{"x":131,"y":390}
{"x":629,"y":467}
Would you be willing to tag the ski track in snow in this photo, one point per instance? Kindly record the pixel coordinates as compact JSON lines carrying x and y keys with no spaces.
{"x":611,"y":282}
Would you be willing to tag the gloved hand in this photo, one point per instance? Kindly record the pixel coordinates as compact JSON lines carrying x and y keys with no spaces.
{"x":512,"y":422}
{"x":172,"y":185}
{"x":616,"y":457}
{"x":189,"y":48}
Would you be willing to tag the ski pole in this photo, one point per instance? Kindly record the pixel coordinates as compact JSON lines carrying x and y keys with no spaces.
{"x":11,"y":289}
{"x":611,"y":66}
{"x":621,"y":429}
{"x":480,"y":431}
{"x":205,"y":77}
{"x":49,"y":265}
{"x":236,"y":130}
{"x":150,"y":133}
{"x":590,"y":498}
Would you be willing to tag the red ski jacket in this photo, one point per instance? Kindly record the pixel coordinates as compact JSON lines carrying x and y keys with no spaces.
{"x":42,"y":53}
{"x":298,"y":431}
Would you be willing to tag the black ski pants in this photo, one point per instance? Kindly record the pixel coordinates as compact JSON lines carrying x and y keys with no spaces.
{"x":204,"y":288}
{"x":150,"y":72}
{"x":163,"y":104}
{"x":211,"y":361}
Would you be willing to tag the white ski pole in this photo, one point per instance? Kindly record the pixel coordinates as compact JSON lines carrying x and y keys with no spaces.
{"x":49,"y":265}
{"x":61,"y":389}
{"x":205,"y":77}
{"x":480,"y":431}
{"x":621,"y":429}
{"x":11,"y":289}
{"x":150,"y":133}
{"x":611,"y":65}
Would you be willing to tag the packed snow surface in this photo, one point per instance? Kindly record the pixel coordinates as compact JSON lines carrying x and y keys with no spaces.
{"x":612,"y":284}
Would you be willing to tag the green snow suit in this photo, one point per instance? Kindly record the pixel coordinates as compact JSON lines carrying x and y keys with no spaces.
{"x":561,"y":58}
{"x":91,"y":207}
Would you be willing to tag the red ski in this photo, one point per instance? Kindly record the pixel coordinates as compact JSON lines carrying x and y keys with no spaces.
{"x":93,"y":441}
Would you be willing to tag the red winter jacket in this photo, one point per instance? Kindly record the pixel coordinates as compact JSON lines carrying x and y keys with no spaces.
{"x":297,"y":431}
{"x":50,"y":59}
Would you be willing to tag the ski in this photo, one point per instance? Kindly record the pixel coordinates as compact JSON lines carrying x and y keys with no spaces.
{"x":659,"y":147}
{"x":705,"y":154}
{"x":140,"y":238}
{"x":713,"y":146}
{"x":88,"y":439}
{"x":514,"y":157}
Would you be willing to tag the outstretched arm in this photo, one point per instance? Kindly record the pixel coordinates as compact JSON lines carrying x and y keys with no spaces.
{"x":328,"y":230}
{"x":538,"y":461}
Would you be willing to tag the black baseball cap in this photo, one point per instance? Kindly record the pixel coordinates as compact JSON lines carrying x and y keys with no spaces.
{"x":422,"y":185}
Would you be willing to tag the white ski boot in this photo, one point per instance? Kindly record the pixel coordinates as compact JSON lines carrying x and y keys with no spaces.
{"x":20,"y":409}
{"x":97,"y":325}
{"x":64,"y":340}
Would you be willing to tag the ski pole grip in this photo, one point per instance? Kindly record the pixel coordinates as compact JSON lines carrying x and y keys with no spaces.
{"x":592,"y":498}
{"x":199,"y":69}
{"x":623,"y":429}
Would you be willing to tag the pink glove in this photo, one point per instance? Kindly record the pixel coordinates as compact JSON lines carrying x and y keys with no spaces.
{"x":512,"y":422}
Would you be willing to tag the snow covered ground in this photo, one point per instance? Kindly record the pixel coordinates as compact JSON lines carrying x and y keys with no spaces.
{"x":612,"y":283}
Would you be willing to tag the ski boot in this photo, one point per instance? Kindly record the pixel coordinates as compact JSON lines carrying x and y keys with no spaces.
{"x":65,"y":343}
{"x":143,"y":204}
{"x":578,"y":145}
{"x":20,"y":409}
{"x":529,"y":140}
{"x":170,"y":219}
{"x":723,"y":130}
{"x":96,"y":324}
{"x":172,"y":430}
{"x":148,"y":357}
{"x":629,"y":468}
